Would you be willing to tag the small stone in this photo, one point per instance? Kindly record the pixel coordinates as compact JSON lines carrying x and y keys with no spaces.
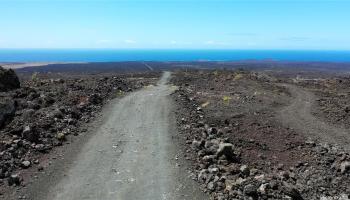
{"x":244,"y":170}
{"x":211,"y":186}
{"x":26,"y":164}
{"x":61,"y":136}
{"x":202,"y":176}
{"x":345,"y":167}
{"x":280,"y":166}
{"x":284,"y":175}
{"x":209,"y":158}
{"x":310,"y":142}
{"x":212,"y":131}
{"x":239,"y":181}
{"x":26,"y":131}
{"x":197,"y":144}
{"x":40,"y":168}
{"x":14,"y":179}
{"x":262,"y":188}
{"x":259,"y":177}
{"x":291,"y":191}
{"x":250,"y":190}
{"x":29,"y":134}
{"x":225,"y":149}
{"x":229,"y":185}
{"x":40,"y":147}
{"x":214,"y":170}
{"x":56,"y":114}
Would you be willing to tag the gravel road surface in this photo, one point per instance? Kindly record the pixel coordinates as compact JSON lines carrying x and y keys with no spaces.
{"x":132,"y":154}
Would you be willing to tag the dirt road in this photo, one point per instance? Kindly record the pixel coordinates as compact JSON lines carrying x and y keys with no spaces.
{"x":131,"y":156}
{"x":298,"y":116}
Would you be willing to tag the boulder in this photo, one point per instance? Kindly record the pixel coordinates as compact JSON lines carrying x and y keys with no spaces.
{"x":7,"y":110}
{"x":8,"y":80}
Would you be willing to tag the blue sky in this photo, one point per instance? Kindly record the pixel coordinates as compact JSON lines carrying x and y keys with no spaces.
{"x":170,"y":24}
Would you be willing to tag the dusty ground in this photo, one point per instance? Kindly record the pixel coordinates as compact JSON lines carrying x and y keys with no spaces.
{"x":269,"y":126}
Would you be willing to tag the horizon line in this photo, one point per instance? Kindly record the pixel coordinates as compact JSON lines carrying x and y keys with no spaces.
{"x":176,"y":49}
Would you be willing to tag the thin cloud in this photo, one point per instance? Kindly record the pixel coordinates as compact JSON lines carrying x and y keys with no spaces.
{"x":174,"y":42}
{"x":295,"y":39}
{"x":130,"y":41}
{"x":243,"y":34}
{"x":103,"y":41}
{"x":210,"y":42}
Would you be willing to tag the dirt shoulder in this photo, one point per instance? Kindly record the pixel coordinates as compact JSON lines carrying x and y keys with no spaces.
{"x":268,"y":160}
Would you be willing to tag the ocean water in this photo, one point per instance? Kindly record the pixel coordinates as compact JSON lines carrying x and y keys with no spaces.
{"x":109,"y":55}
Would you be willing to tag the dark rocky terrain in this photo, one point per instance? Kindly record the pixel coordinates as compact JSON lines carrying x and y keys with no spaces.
{"x":47,"y":110}
{"x":239,"y":147}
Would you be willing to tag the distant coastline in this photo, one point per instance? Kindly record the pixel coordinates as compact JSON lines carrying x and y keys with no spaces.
{"x":112,"y":55}
{"x":19,"y":65}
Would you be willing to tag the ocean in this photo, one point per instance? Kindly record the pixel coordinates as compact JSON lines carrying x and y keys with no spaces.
{"x":111,"y":55}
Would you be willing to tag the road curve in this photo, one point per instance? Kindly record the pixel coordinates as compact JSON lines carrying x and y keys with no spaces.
{"x":131,"y":156}
{"x":299,"y":117}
